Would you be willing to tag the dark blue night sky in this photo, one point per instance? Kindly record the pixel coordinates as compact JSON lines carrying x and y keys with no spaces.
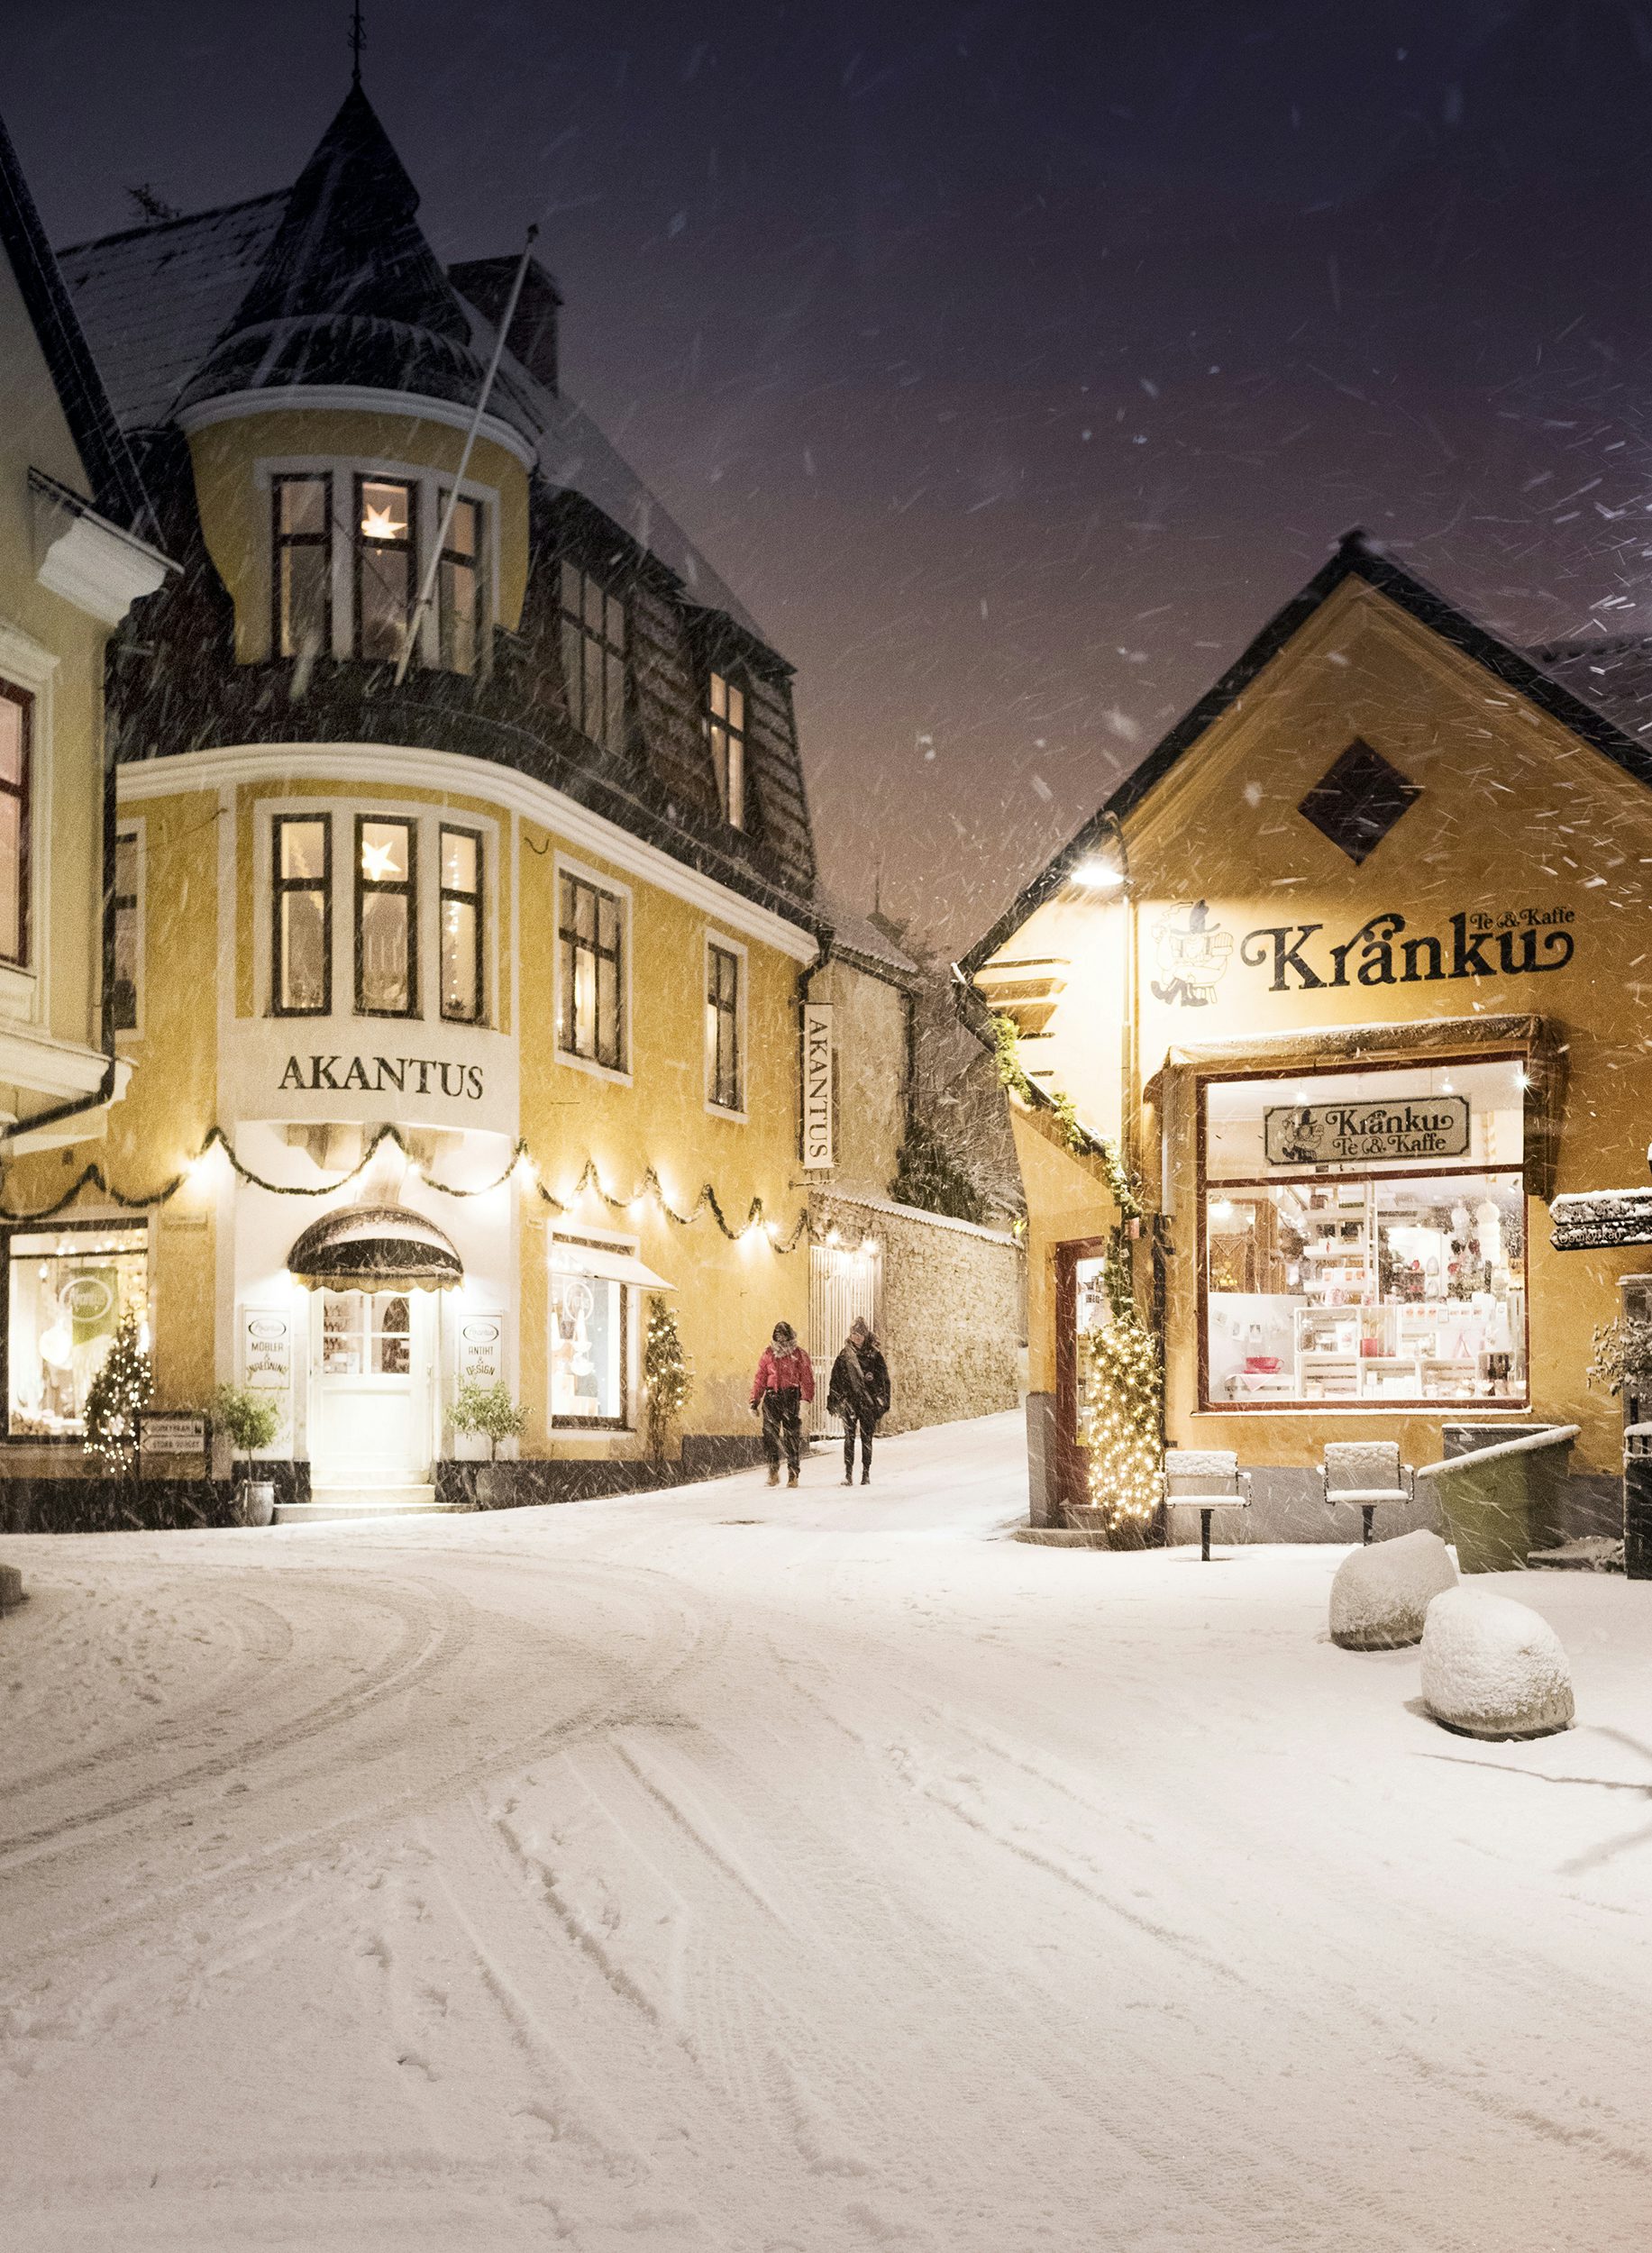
{"x":1015,"y":362}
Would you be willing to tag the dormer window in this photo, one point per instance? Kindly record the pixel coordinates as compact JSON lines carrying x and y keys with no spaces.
{"x":725,"y":735}
{"x":303,"y":575}
{"x":385,"y":560}
{"x":594,"y":658}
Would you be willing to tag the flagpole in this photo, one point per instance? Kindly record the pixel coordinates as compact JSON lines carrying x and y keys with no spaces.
{"x":428,"y":586}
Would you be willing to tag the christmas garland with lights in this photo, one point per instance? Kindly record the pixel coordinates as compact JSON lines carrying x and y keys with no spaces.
{"x":1121,"y":1392}
{"x":1079,"y":1138}
{"x":521,"y":1164}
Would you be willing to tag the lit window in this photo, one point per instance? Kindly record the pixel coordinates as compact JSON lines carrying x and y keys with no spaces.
{"x":16,"y":711}
{"x":302,"y":851}
{"x":592,"y":974}
{"x":1365,"y":1238}
{"x":459,"y":587}
{"x":70,"y":1288}
{"x":386,"y":939}
{"x":302,"y":579}
{"x":589,"y":1348}
{"x":385,"y":566}
{"x":722,"y":1063}
{"x":726,"y":733}
{"x":366,"y":1333}
{"x":461,"y":925}
{"x":594,"y":658}
{"x":128,"y":933}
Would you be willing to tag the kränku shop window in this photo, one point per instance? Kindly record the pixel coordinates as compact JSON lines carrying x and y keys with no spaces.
{"x":128,"y":932}
{"x":594,"y":658}
{"x":1364,"y":1237}
{"x":723,"y":1059}
{"x":68,"y":1289}
{"x":16,"y":711}
{"x":461,"y":925}
{"x":385,"y":565}
{"x":301,"y":580}
{"x":725,"y":736}
{"x":591,"y":974}
{"x":301,"y":850}
{"x":386,"y":928}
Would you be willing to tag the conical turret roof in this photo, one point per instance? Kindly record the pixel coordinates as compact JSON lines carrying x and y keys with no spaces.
{"x":348,"y":291}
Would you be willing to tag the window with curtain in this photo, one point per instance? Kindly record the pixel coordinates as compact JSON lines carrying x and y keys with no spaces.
{"x":461,"y":925}
{"x":723,"y":1060}
{"x":387,"y":929}
{"x":301,"y":578}
{"x":725,"y":736}
{"x":301,"y":852}
{"x":592,"y":1021}
{"x":16,"y":714}
{"x":594,"y":657}
{"x":386,"y":565}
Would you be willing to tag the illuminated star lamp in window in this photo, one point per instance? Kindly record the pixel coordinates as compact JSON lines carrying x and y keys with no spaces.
{"x":377,"y":862}
{"x":381,"y":523}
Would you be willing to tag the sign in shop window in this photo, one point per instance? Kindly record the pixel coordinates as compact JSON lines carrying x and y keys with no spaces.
{"x":1364,"y":1237}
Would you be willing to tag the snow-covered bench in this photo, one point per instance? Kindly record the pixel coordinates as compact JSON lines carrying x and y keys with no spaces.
{"x":1369,"y":1471}
{"x":1205,"y":1479}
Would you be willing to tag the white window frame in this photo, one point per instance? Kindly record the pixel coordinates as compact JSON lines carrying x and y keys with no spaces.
{"x":567,"y":866}
{"x":631,"y":1374}
{"x":135,"y":826}
{"x":428,"y":821}
{"x":429,"y":484}
{"x":738,"y":1115}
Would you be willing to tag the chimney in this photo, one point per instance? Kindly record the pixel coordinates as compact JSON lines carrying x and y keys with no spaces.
{"x":486,"y":282}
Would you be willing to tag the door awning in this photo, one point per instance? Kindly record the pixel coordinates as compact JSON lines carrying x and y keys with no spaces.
{"x":607,"y":1262}
{"x":375,"y":1248}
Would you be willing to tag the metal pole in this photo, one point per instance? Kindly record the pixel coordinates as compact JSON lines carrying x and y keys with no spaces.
{"x":482,"y":397}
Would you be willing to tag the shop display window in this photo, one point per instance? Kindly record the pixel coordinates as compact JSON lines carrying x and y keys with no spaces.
{"x":68,"y":1291}
{"x":588,"y":1349}
{"x":1364,"y":1237}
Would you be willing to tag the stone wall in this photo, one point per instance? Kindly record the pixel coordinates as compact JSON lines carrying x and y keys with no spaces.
{"x":952,"y":1314}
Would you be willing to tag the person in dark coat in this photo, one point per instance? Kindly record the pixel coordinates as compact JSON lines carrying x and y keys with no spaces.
{"x":860,"y":1393}
{"x":785,"y":1381}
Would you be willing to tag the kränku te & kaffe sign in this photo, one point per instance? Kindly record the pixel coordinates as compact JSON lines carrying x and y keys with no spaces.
{"x":1344,"y":1133}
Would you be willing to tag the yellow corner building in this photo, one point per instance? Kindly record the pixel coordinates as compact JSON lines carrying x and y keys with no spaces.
{"x":461,"y":909}
{"x":1351,"y":974}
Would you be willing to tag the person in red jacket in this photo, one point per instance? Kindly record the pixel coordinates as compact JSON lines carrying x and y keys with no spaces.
{"x":784,"y":1381}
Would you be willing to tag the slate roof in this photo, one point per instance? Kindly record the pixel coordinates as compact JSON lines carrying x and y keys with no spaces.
{"x":111,"y":471}
{"x":1553,"y":688}
{"x":868,"y":943}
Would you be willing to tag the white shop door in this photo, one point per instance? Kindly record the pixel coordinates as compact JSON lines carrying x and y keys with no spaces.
{"x":372,"y":1356}
{"x":842,"y":1284}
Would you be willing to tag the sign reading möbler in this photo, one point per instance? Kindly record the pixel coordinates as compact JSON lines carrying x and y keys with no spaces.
{"x":1338,"y":1133}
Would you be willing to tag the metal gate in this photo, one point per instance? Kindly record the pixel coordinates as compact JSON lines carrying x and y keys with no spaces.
{"x":842,"y":1283}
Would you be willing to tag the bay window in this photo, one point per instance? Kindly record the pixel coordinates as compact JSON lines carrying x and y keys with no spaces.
{"x":301,"y":847}
{"x":461,"y":925}
{"x":69,"y":1288}
{"x":16,"y":712}
{"x":386,"y":565}
{"x":459,"y":587}
{"x":302,"y":576}
{"x":1363,"y":1236}
{"x":386,"y":928}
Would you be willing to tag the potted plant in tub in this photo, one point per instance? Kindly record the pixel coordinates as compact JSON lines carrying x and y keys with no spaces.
{"x":488,"y":1411}
{"x":249,"y":1419}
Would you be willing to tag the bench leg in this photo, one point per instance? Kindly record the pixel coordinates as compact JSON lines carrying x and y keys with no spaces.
{"x":1367,"y":1510}
{"x":1204,"y":1536}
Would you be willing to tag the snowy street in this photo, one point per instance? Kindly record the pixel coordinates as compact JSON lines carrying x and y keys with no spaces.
{"x":801,"y":1873}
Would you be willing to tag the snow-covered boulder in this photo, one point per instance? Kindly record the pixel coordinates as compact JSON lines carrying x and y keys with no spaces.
{"x":1491,"y":1667}
{"x":10,"y":1587}
{"x":1380,"y":1594}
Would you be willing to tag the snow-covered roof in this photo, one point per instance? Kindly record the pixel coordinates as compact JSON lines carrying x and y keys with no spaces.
{"x":860,"y":935}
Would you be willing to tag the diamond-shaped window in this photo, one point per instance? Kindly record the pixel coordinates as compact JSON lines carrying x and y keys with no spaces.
{"x":1358,"y":802}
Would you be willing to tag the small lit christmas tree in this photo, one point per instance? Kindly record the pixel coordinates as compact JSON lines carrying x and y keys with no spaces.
{"x":116,"y":1399}
{"x":1121,"y":1383}
{"x":665,"y":1375}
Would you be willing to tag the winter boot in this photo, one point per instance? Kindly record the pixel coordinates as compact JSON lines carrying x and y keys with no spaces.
{"x":792,"y":1478}
{"x":865,"y":1476}
{"x":774,"y":1474}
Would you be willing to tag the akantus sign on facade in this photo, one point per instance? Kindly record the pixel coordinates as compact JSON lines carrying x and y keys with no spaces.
{"x":1338,"y":1133}
{"x":382,"y":1075}
{"x":817,"y":1083}
{"x":1511,"y":943}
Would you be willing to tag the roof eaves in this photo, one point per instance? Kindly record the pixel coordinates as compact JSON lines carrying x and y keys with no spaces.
{"x":107,"y":460}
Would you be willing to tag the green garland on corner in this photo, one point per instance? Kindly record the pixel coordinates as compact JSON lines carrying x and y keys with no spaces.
{"x":1013,"y":1074}
{"x":1121,"y":1389}
{"x":93,"y":1176}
